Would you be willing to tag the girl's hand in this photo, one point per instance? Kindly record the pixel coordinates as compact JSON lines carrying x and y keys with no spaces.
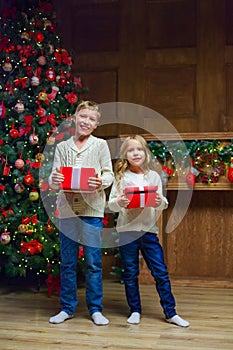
{"x":95,"y":182}
{"x":57,"y":177}
{"x":158,"y":200}
{"x":122,"y":200}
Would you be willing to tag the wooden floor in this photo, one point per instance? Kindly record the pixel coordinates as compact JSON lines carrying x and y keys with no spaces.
{"x":24,"y":315}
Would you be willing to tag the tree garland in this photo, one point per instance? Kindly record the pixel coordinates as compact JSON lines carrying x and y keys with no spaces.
{"x":209,"y":159}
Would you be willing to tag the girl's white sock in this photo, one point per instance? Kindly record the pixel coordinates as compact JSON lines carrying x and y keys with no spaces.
{"x":134,"y":318}
{"x":99,"y":319}
{"x":178,"y":321}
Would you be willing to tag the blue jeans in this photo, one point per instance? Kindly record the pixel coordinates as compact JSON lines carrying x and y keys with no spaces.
{"x":87,"y":232}
{"x":152,"y":252}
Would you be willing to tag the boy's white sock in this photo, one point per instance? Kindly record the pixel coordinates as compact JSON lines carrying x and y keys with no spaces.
{"x":60,"y":317}
{"x":134,"y":318}
{"x":178,"y":321}
{"x":99,"y":319}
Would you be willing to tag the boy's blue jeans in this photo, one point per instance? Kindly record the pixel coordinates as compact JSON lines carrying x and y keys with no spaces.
{"x":148,"y":244}
{"x":87,"y":232}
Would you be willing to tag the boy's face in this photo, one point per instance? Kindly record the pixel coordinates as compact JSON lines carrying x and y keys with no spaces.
{"x":86,"y":121}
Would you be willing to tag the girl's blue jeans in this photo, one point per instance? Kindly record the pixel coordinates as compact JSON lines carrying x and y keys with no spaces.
{"x":85,"y":231}
{"x":152,"y":252}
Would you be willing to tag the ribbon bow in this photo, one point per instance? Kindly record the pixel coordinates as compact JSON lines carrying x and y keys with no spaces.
{"x":50,"y":119}
{"x":32,"y":247}
{"x":25,"y":51}
{"x":33,"y":219}
{"x":63,"y":57}
{"x":21,"y":81}
{"x":24,"y":130}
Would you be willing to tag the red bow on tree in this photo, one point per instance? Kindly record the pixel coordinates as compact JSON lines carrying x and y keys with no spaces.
{"x":32,"y":247}
{"x":24,"y":130}
{"x":21,"y":81}
{"x":63,"y":57}
{"x":50,"y":119}
{"x":33,"y":219}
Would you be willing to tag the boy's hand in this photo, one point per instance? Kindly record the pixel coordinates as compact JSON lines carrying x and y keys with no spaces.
{"x":95,"y":182}
{"x":57,"y":177}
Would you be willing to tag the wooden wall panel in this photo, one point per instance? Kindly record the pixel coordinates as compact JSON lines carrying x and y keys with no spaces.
{"x":174,"y":89}
{"x":201,"y":246}
{"x":171,"y":23}
{"x":101,"y":85}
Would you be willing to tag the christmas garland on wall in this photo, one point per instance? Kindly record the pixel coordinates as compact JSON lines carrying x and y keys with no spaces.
{"x":206,"y":160}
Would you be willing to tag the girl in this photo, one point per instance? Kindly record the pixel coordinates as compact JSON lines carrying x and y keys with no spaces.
{"x":138,"y":230}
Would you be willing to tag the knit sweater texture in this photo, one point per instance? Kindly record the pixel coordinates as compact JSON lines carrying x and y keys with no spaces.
{"x":137,"y":219}
{"x":95,"y":153}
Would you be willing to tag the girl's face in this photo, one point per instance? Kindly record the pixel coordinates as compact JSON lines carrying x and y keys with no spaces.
{"x":135,"y":155}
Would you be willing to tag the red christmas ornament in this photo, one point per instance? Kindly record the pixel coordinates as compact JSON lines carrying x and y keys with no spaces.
{"x":28,"y":179}
{"x":2,"y":110}
{"x":41,"y":112}
{"x":33,"y":139}
{"x":62,"y":81}
{"x":50,"y":74}
{"x":39,"y":37}
{"x":19,"y":163}
{"x":5,"y":237}
{"x":1,"y":143}
{"x":14,"y":132}
{"x":19,"y":188}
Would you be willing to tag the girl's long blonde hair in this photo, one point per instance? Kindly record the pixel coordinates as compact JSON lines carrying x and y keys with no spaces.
{"x":122,"y":163}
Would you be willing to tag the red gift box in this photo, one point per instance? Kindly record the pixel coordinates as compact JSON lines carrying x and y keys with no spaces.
{"x":142,"y":196}
{"x":76,"y":179}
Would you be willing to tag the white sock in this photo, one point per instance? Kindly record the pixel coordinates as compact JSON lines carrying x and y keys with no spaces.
{"x":99,"y":319}
{"x":134,"y":318}
{"x":178,"y":321}
{"x":60,"y":317}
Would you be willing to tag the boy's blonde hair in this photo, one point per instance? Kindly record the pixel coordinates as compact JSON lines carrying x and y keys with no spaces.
{"x":88,"y":105}
{"x":122,"y":163}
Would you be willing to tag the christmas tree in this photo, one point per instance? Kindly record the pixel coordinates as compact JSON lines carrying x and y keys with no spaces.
{"x":38,"y":93}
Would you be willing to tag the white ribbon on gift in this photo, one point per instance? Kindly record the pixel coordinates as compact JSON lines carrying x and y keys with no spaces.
{"x":142,"y":196}
{"x":75,"y":178}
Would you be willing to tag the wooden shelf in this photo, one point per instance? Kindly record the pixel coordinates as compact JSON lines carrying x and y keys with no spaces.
{"x":187,"y":136}
{"x":201,"y":187}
